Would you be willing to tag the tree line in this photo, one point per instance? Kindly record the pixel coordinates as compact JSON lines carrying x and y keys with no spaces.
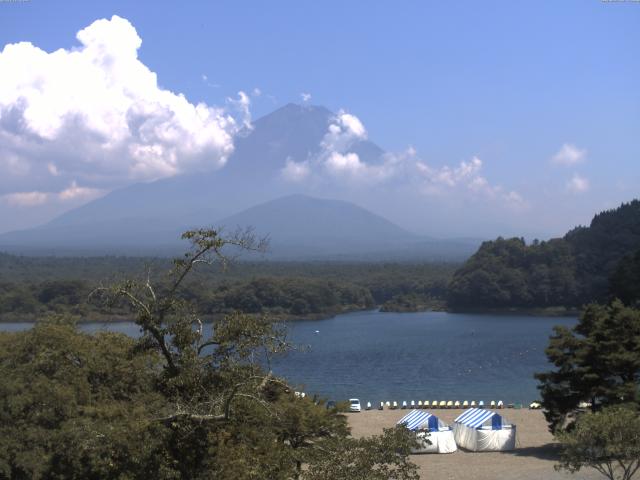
{"x":283,"y":290}
{"x":568,"y":272}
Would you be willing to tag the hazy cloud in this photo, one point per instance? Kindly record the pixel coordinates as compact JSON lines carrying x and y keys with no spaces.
{"x":465,"y":177}
{"x":53,"y":170}
{"x":578,"y":184}
{"x":447,"y":177}
{"x":205,"y":79}
{"x":242,"y":104}
{"x":296,"y":171}
{"x":96,"y":114}
{"x":306,"y":97}
{"x":32,"y":199}
{"x":74,"y":192}
{"x":569,"y":155}
{"x":25,"y":199}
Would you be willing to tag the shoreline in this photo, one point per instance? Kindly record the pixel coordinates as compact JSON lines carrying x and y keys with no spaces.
{"x":525,"y":312}
{"x":207,"y":319}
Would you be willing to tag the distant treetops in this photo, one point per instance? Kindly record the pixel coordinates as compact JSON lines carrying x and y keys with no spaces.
{"x":589,"y":264}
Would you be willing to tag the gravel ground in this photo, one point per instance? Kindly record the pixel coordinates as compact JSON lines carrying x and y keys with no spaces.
{"x":533,"y":459}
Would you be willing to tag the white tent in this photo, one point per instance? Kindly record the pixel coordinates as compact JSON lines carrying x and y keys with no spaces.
{"x":482,"y":430}
{"x":429,"y":427}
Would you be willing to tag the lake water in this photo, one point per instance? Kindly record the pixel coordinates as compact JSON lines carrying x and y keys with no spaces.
{"x":379,"y":356}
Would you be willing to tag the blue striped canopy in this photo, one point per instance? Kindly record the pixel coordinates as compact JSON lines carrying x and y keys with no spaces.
{"x":476,"y":417}
{"x":416,"y":419}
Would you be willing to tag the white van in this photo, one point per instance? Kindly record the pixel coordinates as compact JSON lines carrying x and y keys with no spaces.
{"x":354,"y":405}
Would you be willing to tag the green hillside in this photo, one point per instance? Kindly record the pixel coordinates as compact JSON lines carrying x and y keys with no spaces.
{"x":567,"y":272}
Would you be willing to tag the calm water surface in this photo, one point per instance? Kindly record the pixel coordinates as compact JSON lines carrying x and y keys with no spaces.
{"x":410,"y":356}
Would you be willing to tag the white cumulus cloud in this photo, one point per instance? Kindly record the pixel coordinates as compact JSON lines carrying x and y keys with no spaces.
{"x":96,"y":114}
{"x":306,"y":97}
{"x":338,"y":160}
{"x":350,"y":166}
{"x":335,"y":157}
{"x":344,"y":131}
{"x":569,"y":155}
{"x":349,"y":162}
{"x":578,"y":184}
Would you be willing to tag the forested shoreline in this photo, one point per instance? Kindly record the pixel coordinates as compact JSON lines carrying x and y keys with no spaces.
{"x":589,"y":264}
{"x":281,"y":290}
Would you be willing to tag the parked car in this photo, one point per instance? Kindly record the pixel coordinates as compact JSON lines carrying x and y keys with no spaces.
{"x":331,"y":405}
{"x":354,"y":405}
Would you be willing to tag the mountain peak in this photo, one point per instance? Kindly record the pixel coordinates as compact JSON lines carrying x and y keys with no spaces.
{"x":157,"y":211}
{"x":292,"y":113}
{"x":299,"y":222}
{"x":292,"y":107}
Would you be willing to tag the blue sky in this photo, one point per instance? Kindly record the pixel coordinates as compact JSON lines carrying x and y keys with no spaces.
{"x":507,"y":82}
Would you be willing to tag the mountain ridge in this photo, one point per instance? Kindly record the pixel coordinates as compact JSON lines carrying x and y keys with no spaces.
{"x":152,"y":215}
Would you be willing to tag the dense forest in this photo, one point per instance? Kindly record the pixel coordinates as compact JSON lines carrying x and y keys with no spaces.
{"x":589,"y":264}
{"x":33,"y":286}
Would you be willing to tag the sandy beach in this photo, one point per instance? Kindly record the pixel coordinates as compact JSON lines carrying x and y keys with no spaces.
{"x":533,"y":459}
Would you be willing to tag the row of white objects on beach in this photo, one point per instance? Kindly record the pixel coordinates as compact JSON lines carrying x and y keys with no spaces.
{"x":438,"y":404}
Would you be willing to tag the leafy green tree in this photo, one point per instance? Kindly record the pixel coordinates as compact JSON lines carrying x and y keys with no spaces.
{"x":608,"y":441}
{"x":510,"y":273}
{"x":226,"y":416}
{"x":78,"y":406}
{"x":597,"y":361}
{"x":306,"y":427}
{"x":383,"y":457}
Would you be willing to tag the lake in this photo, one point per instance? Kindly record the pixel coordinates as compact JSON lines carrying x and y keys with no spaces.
{"x":378,"y":356}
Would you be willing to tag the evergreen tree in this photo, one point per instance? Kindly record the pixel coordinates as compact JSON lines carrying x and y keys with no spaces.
{"x":597,"y":361}
{"x":562,"y":272}
{"x":625,"y":281}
